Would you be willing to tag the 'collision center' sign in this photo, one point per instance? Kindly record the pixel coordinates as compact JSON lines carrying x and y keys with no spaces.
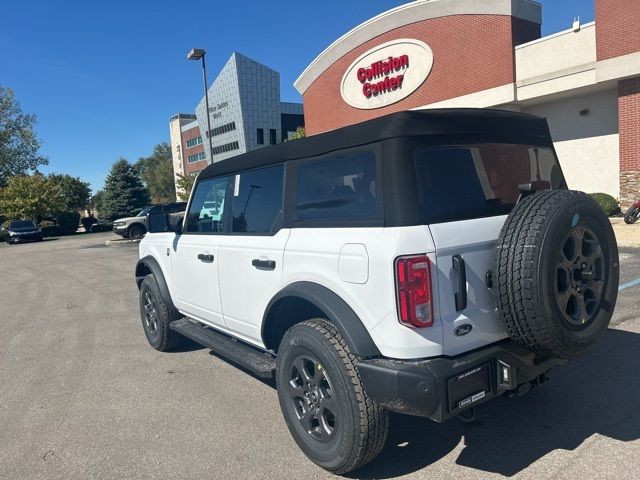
{"x":386,"y":74}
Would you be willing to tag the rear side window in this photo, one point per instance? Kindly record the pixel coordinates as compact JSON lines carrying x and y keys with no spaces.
{"x":338,"y":187}
{"x":207,"y":207}
{"x":463,"y":182}
{"x":257,"y":201}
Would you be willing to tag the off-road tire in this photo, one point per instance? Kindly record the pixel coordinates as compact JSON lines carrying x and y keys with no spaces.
{"x":631,"y":216}
{"x":160,"y":337}
{"x":361,"y":424}
{"x":530,"y":273}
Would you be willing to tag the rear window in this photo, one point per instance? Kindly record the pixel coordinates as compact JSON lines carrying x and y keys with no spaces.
{"x":338,"y":187}
{"x":463,"y":182}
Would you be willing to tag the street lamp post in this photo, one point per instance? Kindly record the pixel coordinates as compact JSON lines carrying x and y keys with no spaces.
{"x":197,"y":54}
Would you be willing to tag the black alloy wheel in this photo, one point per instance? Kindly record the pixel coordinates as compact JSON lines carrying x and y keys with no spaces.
{"x":150,"y":314}
{"x":312,"y":396}
{"x":580,"y":276}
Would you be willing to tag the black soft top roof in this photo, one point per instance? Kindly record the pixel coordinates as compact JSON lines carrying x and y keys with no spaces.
{"x":463,"y":125}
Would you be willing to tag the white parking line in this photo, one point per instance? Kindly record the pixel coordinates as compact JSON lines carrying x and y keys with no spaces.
{"x":630,"y":284}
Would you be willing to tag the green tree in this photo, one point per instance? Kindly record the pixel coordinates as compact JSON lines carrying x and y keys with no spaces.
{"x":76,"y":192}
{"x":185,"y":184}
{"x":97,"y":203}
{"x":19,"y":145}
{"x":124,"y":193}
{"x":300,"y":133}
{"x":31,"y":197}
{"x":156,"y":171}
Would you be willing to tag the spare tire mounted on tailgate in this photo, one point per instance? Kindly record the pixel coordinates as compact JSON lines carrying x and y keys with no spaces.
{"x":556,"y":273}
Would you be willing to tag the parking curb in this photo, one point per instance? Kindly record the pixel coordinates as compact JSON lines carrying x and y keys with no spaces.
{"x":121,"y":242}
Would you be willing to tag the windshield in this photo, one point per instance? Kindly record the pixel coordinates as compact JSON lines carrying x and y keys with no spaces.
{"x":22,"y":224}
{"x":144,"y":211}
{"x":463,"y":182}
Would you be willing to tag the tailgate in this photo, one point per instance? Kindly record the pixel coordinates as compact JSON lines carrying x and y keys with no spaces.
{"x":473,"y":242}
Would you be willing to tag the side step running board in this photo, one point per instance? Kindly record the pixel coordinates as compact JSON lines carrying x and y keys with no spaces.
{"x":260,"y":363}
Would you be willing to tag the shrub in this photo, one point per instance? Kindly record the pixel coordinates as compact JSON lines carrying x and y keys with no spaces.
{"x":3,"y":236}
{"x":68,"y":222}
{"x":52,"y":231}
{"x":610,"y":205}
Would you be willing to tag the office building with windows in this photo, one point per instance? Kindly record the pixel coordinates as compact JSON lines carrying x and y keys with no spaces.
{"x":245,"y":113}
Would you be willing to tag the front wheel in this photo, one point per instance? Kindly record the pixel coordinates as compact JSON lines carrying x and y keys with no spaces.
{"x":632,"y":215}
{"x":156,"y":316}
{"x":328,"y":413}
{"x":137,"y":232}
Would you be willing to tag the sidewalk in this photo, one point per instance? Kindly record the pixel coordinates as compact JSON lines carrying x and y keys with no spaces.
{"x":627,"y":235}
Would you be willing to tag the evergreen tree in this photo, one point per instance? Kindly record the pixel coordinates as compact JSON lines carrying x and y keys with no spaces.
{"x":124,"y":194}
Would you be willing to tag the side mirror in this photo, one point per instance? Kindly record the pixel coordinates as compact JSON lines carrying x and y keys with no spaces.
{"x":158,"y":222}
{"x":178,"y":227}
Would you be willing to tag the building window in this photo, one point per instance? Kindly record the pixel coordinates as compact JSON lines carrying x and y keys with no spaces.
{"x":227,"y":147}
{"x":194,"y":141}
{"x":272,"y":136}
{"x":196,"y":158}
{"x":260,"y":140}
{"x":222,"y":129}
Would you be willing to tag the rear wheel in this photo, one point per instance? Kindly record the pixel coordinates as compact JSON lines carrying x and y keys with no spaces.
{"x":322,"y":399}
{"x":632,"y":215}
{"x":156,"y":316}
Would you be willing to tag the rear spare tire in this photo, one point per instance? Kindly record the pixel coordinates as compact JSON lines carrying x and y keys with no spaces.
{"x":557,"y":273}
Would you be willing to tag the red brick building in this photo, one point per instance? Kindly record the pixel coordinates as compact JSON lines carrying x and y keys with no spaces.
{"x":470,"y":53}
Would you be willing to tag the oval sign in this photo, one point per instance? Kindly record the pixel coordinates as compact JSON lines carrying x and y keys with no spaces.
{"x":387,"y":73}
{"x":463,"y":330}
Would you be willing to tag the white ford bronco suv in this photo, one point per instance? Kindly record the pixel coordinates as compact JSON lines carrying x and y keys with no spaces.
{"x":423,"y":263}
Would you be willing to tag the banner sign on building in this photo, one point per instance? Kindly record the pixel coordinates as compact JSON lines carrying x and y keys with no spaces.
{"x":387,"y":73}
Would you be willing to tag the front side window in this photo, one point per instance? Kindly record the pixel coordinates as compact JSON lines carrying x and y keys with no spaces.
{"x":463,"y":182}
{"x":207,"y":207}
{"x":257,"y":201}
{"x":338,"y":187}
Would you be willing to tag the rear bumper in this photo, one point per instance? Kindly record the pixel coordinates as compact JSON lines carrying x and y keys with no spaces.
{"x":443,"y":387}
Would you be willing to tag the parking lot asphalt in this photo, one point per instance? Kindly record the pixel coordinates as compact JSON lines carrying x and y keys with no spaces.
{"x":82,"y":394}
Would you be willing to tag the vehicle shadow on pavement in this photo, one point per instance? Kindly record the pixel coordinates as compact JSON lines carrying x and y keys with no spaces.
{"x":186,"y":345}
{"x":595,"y":394}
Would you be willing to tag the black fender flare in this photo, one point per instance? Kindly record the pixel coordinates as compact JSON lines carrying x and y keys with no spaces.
{"x":149,"y":265}
{"x":336,"y":310}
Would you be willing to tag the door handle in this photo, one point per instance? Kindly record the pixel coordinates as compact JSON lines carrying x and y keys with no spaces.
{"x":267,"y":264}
{"x":205,"y":257}
{"x":461,"y":295}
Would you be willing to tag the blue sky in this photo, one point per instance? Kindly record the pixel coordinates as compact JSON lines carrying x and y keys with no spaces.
{"x":104,"y":77}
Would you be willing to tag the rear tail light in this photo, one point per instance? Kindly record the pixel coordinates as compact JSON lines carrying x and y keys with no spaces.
{"x":413,"y":288}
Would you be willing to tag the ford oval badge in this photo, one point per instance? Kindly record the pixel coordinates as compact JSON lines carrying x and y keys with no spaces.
{"x":463,"y":330}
